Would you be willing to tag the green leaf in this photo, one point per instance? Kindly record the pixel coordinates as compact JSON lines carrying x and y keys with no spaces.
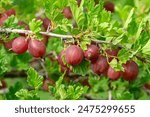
{"x":129,"y":19}
{"x":34,"y":79}
{"x":123,"y":56}
{"x":77,"y":12}
{"x":12,"y":90}
{"x":3,"y":61}
{"x":139,"y":31}
{"x":84,"y":43}
{"x":11,"y":22}
{"x":146,"y":48}
{"x":116,"y":65}
{"x":82,"y":68}
{"x":24,"y":94}
{"x":35,"y":26}
{"x":63,"y":91}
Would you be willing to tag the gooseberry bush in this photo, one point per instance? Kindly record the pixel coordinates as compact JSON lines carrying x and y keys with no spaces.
{"x":74,"y":49}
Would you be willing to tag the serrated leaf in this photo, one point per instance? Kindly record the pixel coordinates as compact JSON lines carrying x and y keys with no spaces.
{"x":146,"y":48}
{"x":140,"y":28}
{"x":34,"y":79}
{"x":82,"y":68}
{"x":129,"y":19}
{"x":64,"y":91}
{"x":116,"y":65}
{"x":12,"y":90}
{"x":11,"y":22}
{"x":3,"y":61}
{"x":123,"y":56}
{"x":24,"y":94}
{"x":84,"y":43}
{"x":35,"y":26}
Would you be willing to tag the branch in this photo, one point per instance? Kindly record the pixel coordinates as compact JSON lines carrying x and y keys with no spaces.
{"x":137,"y":56}
{"x":10,"y":30}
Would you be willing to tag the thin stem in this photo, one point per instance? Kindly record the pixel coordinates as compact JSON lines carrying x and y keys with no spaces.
{"x":64,"y":37}
{"x":109,"y":90}
{"x":44,"y":68}
{"x":10,"y":30}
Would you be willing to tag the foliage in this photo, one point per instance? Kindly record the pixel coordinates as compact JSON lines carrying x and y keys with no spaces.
{"x":128,"y":28}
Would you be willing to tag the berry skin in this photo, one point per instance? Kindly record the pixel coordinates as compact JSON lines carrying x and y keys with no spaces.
{"x":10,"y":12}
{"x":60,"y":58}
{"x":92,"y":53}
{"x":46,"y":23}
{"x":8,"y":45}
{"x":112,"y":53}
{"x":112,"y":74}
{"x":100,"y":66}
{"x":36,"y":48}
{"x":74,"y":55}
{"x":67,"y":13}
{"x":131,"y":70}
{"x":2,"y":19}
{"x":20,"y":45}
{"x":78,"y":2}
{"x":109,"y":6}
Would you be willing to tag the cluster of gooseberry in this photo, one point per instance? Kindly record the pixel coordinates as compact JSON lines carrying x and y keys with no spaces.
{"x":22,"y":43}
{"x":73,"y":55}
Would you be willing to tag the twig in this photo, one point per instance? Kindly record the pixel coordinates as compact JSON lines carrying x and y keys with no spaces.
{"x":10,"y":30}
{"x":64,"y":37}
{"x":109,"y":90}
{"x":3,"y":91}
{"x":120,"y":46}
{"x":44,"y":68}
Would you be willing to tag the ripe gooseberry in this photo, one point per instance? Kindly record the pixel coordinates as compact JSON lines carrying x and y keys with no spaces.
{"x":131,"y":70}
{"x":100,"y":66}
{"x":112,"y":74}
{"x":92,"y":53}
{"x":36,"y":48}
{"x":20,"y":45}
{"x":74,"y":55}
